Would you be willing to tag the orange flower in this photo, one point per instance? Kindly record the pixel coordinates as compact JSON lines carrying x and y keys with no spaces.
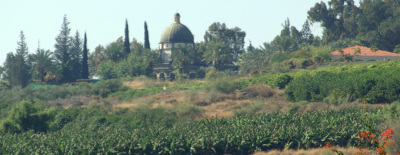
{"x":388,"y":133}
{"x":328,"y":145}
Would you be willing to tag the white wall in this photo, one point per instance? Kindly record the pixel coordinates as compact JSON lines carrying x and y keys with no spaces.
{"x":167,"y":45}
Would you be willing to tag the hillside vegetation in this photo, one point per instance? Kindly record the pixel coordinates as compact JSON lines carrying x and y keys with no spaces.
{"x":86,"y":119}
{"x":288,"y":94}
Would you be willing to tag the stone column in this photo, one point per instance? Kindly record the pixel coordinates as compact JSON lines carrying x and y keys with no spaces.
{"x":158,"y":76}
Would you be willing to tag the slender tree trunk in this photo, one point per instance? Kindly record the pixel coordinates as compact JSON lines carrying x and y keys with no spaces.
{"x":218,"y":65}
{"x":41,"y":75}
{"x":150,"y":67}
{"x":183,"y":67}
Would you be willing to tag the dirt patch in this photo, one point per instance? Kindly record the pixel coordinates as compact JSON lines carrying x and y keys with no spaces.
{"x":74,"y":101}
{"x":223,"y":109}
{"x":142,"y":83}
{"x":135,"y":84}
{"x":166,"y":98}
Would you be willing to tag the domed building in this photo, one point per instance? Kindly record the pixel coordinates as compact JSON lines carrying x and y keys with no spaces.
{"x":174,"y":36}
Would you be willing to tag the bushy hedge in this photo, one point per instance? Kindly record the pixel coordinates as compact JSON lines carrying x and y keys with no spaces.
{"x":46,"y":93}
{"x":36,"y":117}
{"x":378,"y":82}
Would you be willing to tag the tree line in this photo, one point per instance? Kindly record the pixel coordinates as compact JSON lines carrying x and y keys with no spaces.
{"x":68,"y":62}
{"x":374,"y":23}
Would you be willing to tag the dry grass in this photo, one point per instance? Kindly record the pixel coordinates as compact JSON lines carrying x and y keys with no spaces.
{"x":319,"y":151}
{"x":258,"y":90}
{"x":135,"y":84}
{"x":254,"y":99}
{"x":167,"y":98}
{"x":74,"y":101}
{"x":144,"y":82}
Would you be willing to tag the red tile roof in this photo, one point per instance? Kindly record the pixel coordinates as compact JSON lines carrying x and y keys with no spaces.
{"x":364,"y":51}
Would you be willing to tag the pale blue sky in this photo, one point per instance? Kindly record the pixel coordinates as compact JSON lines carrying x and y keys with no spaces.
{"x":104,"y":20}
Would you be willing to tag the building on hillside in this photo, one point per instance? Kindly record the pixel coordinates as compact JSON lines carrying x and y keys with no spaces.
{"x":174,"y":36}
{"x":361,"y":53}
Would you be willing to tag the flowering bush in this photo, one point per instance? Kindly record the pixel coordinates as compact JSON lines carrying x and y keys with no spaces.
{"x":371,"y":139}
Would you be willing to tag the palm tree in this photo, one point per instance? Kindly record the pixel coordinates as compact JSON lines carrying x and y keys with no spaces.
{"x":181,"y":56}
{"x":256,"y":58}
{"x":42,"y":62}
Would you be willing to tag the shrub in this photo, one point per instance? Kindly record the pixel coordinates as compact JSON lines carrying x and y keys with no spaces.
{"x":248,"y":109}
{"x":4,"y":85}
{"x":279,"y":57}
{"x":211,"y":96}
{"x":294,"y":108}
{"x":226,"y":85}
{"x":103,"y":88}
{"x":26,"y":116}
{"x":281,"y":81}
{"x":181,"y":78}
{"x":189,"y":110}
{"x":106,"y":70}
{"x":213,"y":74}
{"x":61,"y":118}
{"x":104,"y":105}
{"x":279,"y":68}
{"x":201,"y":73}
{"x":321,"y":54}
{"x":258,"y":90}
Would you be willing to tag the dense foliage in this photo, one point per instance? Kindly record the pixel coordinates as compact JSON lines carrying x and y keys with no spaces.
{"x":378,"y":82}
{"x":239,"y":135}
{"x":372,"y":22}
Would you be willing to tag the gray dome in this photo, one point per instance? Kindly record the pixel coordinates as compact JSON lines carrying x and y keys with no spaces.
{"x":177,"y":32}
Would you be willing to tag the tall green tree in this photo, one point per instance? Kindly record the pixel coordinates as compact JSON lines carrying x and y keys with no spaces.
{"x":95,"y":59}
{"x":288,"y":40}
{"x":338,"y":20}
{"x":62,"y":51}
{"x":379,"y":23}
{"x":127,"y":48}
{"x":233,"y":38}
{"x":148,"y":52}
{"x":217,"y":53}
{"x":146,"y":37}
{"x":16,"y":67}
{"x":76,"y":56}
{"x":85,"y":67}
{"x":137,"y":48}
{"x":115,"y":50}
{"x":306,"y":34}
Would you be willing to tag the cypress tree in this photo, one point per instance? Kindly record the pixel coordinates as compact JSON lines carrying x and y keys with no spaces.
{"x":127,"y":48}
{"x":85,"y":68}
{"x":146,"y":36}
{"x":147,"y":46}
